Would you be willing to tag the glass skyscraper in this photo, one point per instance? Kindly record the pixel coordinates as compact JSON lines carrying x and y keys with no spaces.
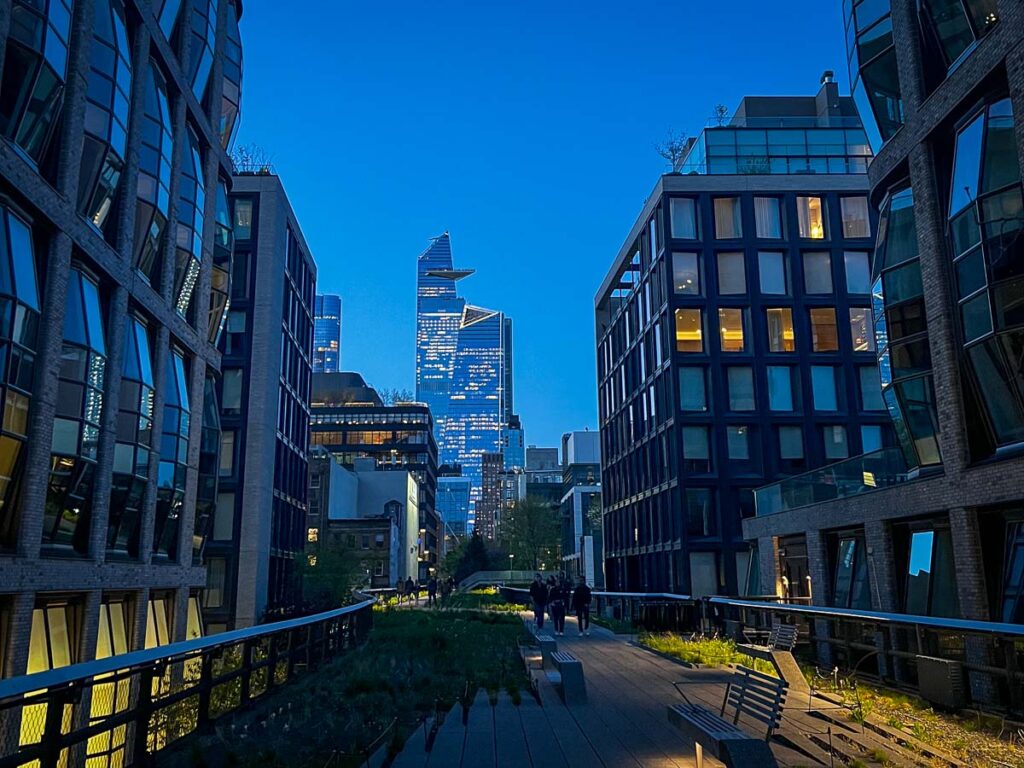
{"x":327,"y":334}
{"x":463,"y":358}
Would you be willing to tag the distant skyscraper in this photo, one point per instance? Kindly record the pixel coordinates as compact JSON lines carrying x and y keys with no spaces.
{"x":513,"y":445}
{"x":327,"y":334}
{"x":463,"y":356}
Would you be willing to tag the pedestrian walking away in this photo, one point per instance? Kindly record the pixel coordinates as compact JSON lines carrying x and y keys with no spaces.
{"x":581,"y":597}
{"x":446,"y":590}
{"x":539,"y":595}
{"x":410,"y":590}
{"x":399,"y":589}
{"x":557,"y":597}
{"x":432,"y":593}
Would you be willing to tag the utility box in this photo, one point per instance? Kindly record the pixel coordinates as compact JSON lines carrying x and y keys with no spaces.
{"x":941,"y":682}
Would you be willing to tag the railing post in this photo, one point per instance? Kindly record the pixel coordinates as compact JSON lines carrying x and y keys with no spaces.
{"x":143,"y":715}
{"x":51,"y":741}
{"x":205,"y":690}
{"x":245,"y":694}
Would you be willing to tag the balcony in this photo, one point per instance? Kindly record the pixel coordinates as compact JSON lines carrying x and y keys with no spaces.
{"x":869,"y":472}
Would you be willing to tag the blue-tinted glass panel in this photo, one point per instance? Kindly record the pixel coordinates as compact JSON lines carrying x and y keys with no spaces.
{"x":964,"y":188}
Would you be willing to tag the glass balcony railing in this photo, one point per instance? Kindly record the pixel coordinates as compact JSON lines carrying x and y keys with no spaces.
{"x":861,"y":474}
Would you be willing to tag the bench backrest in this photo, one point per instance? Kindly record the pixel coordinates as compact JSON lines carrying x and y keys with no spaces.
{"x":755,"y":695}
{"x":782,"y":637}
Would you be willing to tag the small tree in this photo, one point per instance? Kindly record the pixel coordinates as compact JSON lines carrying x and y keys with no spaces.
{"x":394,"y":395}
{"x":673,"y":149}
{"x":328,"y":577}
{"x":721,"y":113}
{"x":466,"y":559}
{"x":531,"y":531}
{"x":252,"y":158}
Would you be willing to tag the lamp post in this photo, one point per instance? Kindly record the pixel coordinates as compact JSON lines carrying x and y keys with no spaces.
{"x":510,"y":556}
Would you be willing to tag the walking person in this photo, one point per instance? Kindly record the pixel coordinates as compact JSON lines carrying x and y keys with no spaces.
{"x":581,"y":597}
{"x":432,"y":593}
{"x":399,"y":589}
{"x":411,"y":592}
{"x":557,"y":598}
{"x":446,"y":590}
{"x":539,"y":595}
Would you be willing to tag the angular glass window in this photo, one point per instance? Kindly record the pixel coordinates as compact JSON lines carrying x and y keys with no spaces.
{"x":689,"y":331}
{"x":1000,"y":382}
{"x":208,"y":474}
{"x":741,"y":388}
{"x":772,"y":269}
{"x":870,"y":388}
{"x":810,"y":213}
{"x":693,"y":389}
{"x":823,"y":385}
{"x":791,"y":443}
{"x":858,"y":272}
{"x":153,"y":201}
{"x":220,"y":278}
{"x":966,"y":166}
{"x":862,"y":336}
{"x":824,"y":334}
{"x":856,"y":220}
{"x":189,"y":241}
{"x":106,"y":115}
{"x":730,"y":329}
{"x":683,"y":213}
{"x":201,"y":41}
{"x":728,"y":218}
{"x":781,"y":337}
{"x":174,"y":440}
{"x":918,"y":401}
{"x":686,"y":274}
{"x":232,"y":90}
{"x":780,"y":388}
{"x":768,"y":217}
{"x":732,"y":277}
{"x":1001,"y":165}
{"x":737,"y":439}
{"x":166,"y":12}
{"x":817,"y":272}
{"x":836,"y":447}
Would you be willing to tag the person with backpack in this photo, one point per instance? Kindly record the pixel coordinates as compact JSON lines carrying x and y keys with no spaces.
{"x":557,"y":598}
{"x":411,"y":592}
{"x":539,"y":595}
{"x":581,"y":597}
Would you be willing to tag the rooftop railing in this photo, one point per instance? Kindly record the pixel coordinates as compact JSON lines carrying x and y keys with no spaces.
{"x":125,"y":709}
{"x":785,"y":121}
{"x":852,"y":477}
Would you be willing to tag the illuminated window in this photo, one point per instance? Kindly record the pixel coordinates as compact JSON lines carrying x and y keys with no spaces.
{"x":862,"y":335}
{"x":689,"y":331}
{"x":781,"y":337}
{"x":730,"y":329}
{"x":312,"y":535}
{"x":108,"y":698}
{"x":810,"y":212}
{"x":824,"y":334}
{"x":53,"y":643}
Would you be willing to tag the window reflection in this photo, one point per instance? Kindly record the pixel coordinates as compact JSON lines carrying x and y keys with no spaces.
{"x":209,"y":469}
{"x":232,"y":89}
{"x":856,"y":220}
{"x":693,"y":389}
{"x":730,"y":329}
{"x":701,"y":520}
{"x":683,"y":213}
{"x":781,"y":337}
{"x":732,"y":278}
{"x":823,"y":383}
{"x":686,"y":274}
{"x":741,"y":388}
{"x":780,"y":388}
{"x":768,"y":217}
{"x":189,"y":240}
{"x":170,"y":496}
{"x":930,"y":584}
{"x":818,"y":272}
{"x":772,"y":268}
{"x":154,"y":176}
{"x":824,"y":333}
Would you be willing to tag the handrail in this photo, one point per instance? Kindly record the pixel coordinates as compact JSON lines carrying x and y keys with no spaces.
{"x":879,"y":617}
{"x":23,"y":684}
{"x":641,"y":595}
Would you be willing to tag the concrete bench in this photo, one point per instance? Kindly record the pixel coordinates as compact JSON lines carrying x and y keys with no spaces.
{"x":547,"y":647}
{"x":568,"y":678}
{"x":749,"y":693}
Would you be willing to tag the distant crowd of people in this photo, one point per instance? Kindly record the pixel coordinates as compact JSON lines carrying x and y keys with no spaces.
{"x":556,"y":596}
{"x":409,"y":591}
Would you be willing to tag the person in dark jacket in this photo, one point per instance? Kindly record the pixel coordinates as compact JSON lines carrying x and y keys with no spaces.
{"x":581,"y":597}
{"x":411,"y":592}
{"x":557,"y":599}
{"x":539,"y":595}
{"x":432,"y":593}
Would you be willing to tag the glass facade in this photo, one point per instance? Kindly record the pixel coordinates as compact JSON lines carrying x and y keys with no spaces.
{"x":871,"y":55}
{"x":232,"y":90}
{"x":170,"y":494}
{"x":154,"y":197}
{"x":189,"y":233}
{"x":327,"y":334}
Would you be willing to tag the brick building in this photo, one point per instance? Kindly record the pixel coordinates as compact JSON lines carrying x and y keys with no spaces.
{"x":934,"y":526}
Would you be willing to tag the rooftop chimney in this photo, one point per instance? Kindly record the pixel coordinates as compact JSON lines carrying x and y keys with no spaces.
{"x":827,"y":76}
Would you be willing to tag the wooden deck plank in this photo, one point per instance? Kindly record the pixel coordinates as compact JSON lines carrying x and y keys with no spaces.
{"x":478,"y":749}
{"x":542,"y":745}
{"x":509,"y":739}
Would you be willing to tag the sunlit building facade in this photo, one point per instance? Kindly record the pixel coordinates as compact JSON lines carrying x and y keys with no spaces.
{"x":327,"y":333}
{"x":735,"y":342}
{"x":935,"y":525}
{"x":116,"y":260}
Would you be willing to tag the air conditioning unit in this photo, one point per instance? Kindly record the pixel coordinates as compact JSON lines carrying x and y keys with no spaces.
{"x":941,"y":682}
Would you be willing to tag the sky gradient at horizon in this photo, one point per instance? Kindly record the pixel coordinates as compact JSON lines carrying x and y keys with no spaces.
{"x":525,"y":131}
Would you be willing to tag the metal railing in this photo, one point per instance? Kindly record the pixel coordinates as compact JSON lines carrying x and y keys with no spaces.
{"x":124,"y":709}
{"x":987,"y":655}
{"x":650,"y":610}
{"x":495,"y":577}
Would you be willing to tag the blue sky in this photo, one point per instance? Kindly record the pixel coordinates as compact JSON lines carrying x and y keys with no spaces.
{"x":524,"y":128}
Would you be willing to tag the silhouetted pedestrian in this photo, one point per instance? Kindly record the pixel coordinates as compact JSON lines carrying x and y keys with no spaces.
{"x":399,"y":589}
{"x":581,"y":597}
{"x":432,"y":593}
{"x":557,"y":597}
{"x":411,"y":592}
{"x":446,"y":590}
{"x":539,"y":595}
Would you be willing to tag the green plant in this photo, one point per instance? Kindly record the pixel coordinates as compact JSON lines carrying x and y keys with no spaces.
{"x":879,"y":755}
{"x":712,"y":652}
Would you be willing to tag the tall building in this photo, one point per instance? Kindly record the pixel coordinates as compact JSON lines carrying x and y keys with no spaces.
{"x":488,"y":509}
{"x":116,"y":252}
{"x":582,"y":537}
{"x":327,"y":333}
{"x":350,"y":421}
{"x":453,"y":503}
{"x":734,"y":339}
{"x":935,"y":524}
{"x":259,"y":523}
{"x":542,"y":465}
{"x":463,"y":366}
{"x":513,"y":444}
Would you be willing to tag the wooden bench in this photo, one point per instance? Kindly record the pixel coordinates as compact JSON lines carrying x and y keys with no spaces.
{"x":782,"y":638}
{"x":567,"y":678}
{"x":751,"y":694}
